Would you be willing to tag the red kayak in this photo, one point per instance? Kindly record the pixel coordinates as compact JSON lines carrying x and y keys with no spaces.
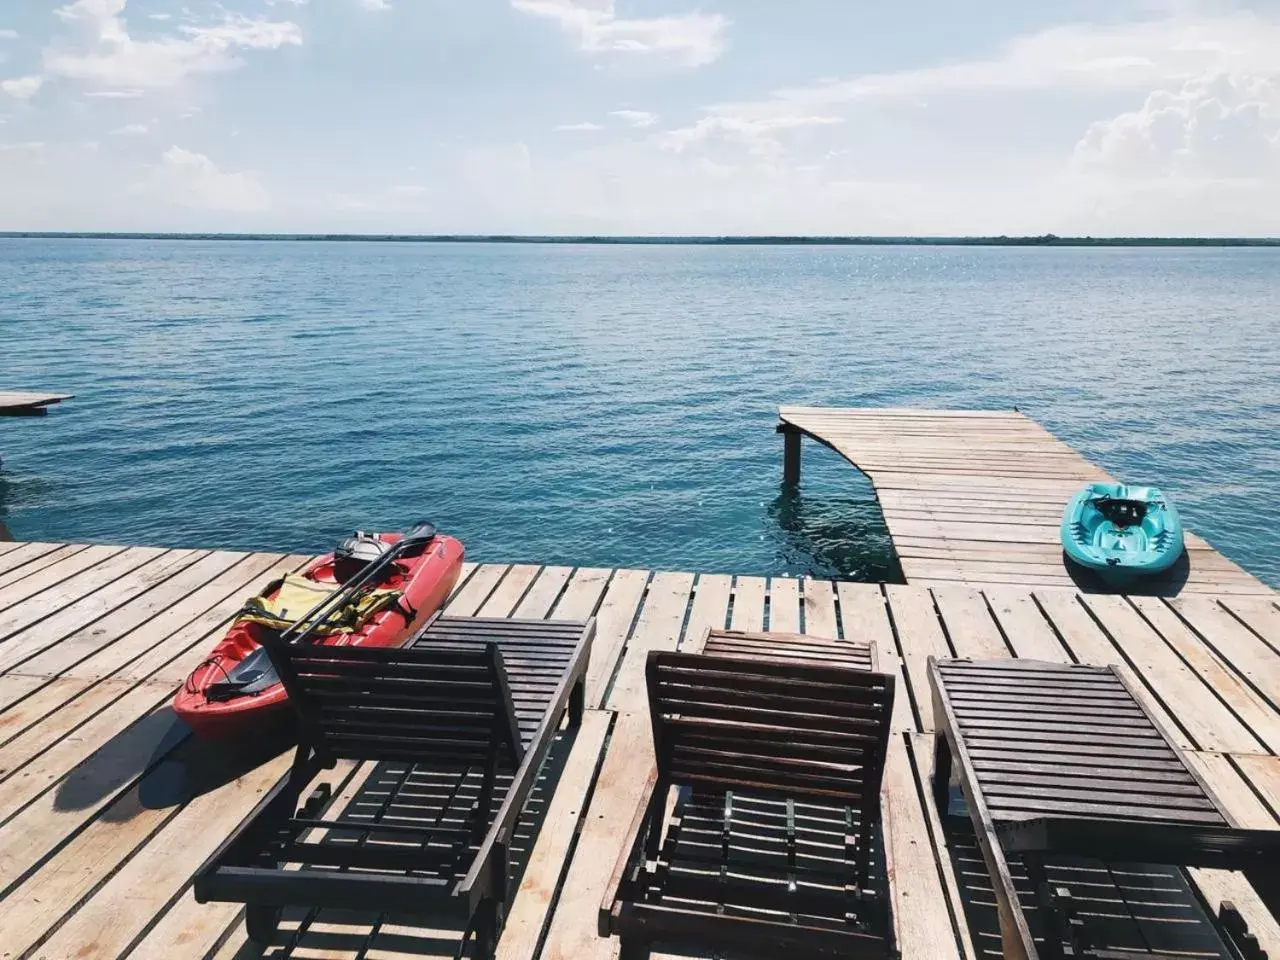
{"x":235,"y":691}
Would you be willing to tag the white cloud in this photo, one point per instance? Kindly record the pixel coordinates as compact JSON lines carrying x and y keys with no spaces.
{"x":131,"y":130}
{"x":585,"y":127}
{"x":115,"y":94}
{"x":160,"y":16}
{"x":1121,"y":56}
{"x":693,"y":39}
{"x":635,"y":118}
{"x":192,"y":180}
{"x":375,"y":5}
{"x":22,"y":88}
{"x":27,"y":146}
{"x":759,"y":136}
{"x":8,"y":34}
{"x":103,"y":53}
{"x":1218,"y":126}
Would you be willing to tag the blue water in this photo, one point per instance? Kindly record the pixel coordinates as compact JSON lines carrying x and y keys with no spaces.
{"x":608,"y":405}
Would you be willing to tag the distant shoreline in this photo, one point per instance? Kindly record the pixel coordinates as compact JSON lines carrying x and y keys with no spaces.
{"x":1047,"y":240}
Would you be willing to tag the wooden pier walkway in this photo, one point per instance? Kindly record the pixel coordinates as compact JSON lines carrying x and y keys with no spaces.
{"x":107,"y":804}
{"x":976,"y":496}
{"x":28,"y":404}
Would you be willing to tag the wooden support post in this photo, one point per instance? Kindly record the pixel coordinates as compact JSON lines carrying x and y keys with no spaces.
{"x":790,"y":454}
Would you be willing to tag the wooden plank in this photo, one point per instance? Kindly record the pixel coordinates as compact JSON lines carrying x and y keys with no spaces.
{"x":75,"y":616}
{"x":194,"y":929}
{"x":124,"y":906}
{"x":819,"y":607}
{"x":710,"y":608}
{"x":930,"y":916}
{"x":969,"y":624}
{"x":628,"y":761}
{"x":73,"y":562}
{"x":17,"y":400}
{"x":542,"y":876}
{"x":98,"y":755}
{"x":1260,"y":616}
{"x":919,"y":636}
{"x":659,"y":628}
{"x":51,"y":810}
{"x":78,"y":589}
{"x":125,"y":826}
{"x":582,"y":594}
{"x":784,"y":605}
{"x":1202,"y":721}
{"x":194,"y":623}
{"x":509,"y":592}
{"x":748,"y":604}
{"x":1263,"y":775}
{"x":864,"y":616}
{"x":1029,"y":633}
{"x":467,"y":601}
{"x":613,"y":625}
{"x":1253,"y":711}
{"x":137,"y":613}
{"x":18,"y":558}
{"x":545,"y":591}
{"x":1234,"y":643}
{"x":1243,"y":806}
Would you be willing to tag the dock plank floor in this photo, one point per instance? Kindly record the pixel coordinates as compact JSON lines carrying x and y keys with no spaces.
{"x":108,"y":805}
{"x":975,"y":497}
{"x":15,"y":403}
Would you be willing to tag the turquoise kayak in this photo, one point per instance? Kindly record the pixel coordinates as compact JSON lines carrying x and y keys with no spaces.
{"x":1121,"y":532}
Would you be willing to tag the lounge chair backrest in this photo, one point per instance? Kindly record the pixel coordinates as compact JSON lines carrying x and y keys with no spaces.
{"x":442,"y":702}
{"x":794,"y":730}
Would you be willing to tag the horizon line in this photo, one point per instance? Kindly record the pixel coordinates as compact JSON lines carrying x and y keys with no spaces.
{"x":1048,"y":239}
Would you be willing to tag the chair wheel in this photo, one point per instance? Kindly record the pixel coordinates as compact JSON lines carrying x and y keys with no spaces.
{"x":261,"y":922}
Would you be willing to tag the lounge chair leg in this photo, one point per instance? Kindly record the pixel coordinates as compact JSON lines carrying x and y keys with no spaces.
{"x":260,"y":922}
{"x":941,"y":774}
{"x":486,"y":931}
{"x":577,"y":702}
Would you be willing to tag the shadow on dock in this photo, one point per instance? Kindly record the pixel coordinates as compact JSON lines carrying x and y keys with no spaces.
{"x":1167,"y":584}
{"x":175,"y":767}
{"x":415,"y":795}
{"x":1133,"y":908}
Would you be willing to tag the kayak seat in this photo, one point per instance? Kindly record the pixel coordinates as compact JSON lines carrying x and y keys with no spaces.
{"x":298,"y":595}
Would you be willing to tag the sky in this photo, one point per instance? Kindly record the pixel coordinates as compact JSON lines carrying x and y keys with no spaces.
{"x":642,"y":116}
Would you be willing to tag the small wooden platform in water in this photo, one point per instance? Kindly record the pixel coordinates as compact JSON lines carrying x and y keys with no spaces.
{"x":107,"y":805}
{"x":976,"y":496}
{"x":28,"y":404}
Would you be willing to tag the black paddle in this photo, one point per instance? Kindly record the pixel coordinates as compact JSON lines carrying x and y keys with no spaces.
{"x":256,"y":672}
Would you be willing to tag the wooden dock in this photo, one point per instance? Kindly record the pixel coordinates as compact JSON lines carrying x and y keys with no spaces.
{"x":107,"y":805}
{"x":28,"y":404}
{"x":975,"y":497}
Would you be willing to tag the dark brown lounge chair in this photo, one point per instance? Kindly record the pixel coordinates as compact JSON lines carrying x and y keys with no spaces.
{"x":766,"y":750}
{"x":855,"y":654}
{"x":1061,"y":758}
{"x":465,"y":694}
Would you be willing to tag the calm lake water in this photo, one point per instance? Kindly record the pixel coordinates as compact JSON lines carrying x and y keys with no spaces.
{"x":606,"y":405}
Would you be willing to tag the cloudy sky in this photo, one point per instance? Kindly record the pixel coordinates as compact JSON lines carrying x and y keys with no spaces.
{"x":642,"y":116}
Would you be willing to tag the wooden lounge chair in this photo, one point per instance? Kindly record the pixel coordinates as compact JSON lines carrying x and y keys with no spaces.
{"x":1060,"y":758}
{"x":771,"y":844}
{"x":855,"y":654}
{"x":464,"y":694}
